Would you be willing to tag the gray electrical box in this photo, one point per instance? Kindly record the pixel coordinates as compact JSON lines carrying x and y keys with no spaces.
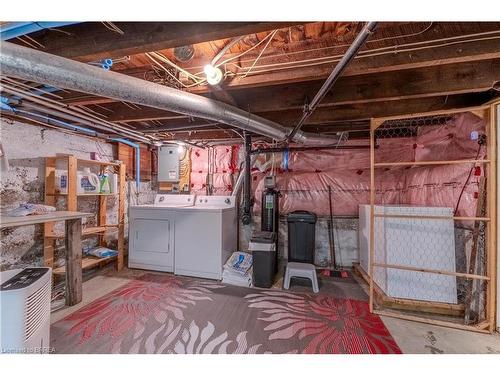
{"x":168,"y":164}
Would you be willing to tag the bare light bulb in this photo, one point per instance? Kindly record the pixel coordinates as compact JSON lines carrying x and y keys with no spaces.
{"x":180,"y":149}
{"x":213,"y":74}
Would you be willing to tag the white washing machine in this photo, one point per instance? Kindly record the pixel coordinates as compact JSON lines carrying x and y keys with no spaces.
{"x":205,"y":236}
{"x":152,"y":232}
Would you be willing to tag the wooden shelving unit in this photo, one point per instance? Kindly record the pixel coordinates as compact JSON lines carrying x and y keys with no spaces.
{"x":71,"y":199}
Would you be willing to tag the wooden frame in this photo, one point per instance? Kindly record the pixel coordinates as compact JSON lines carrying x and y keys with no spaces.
{"x":73,"y":233}
{"x":488,"y":325}
{"x":71,"y":197}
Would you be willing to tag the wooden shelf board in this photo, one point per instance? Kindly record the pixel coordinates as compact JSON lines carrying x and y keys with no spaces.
{"x":15,"y":221}
{"x":84,"y":194}
{"x":88,"y":161}
{"x":87,"y":263}
{"x":85,"y":232}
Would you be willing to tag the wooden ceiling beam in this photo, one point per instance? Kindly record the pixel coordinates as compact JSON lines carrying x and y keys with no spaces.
{"x":92,"y":41}
{"x":435,"y":81}
{"x":477,"y":74}
{"x":392,"y":62}
{"x":416,"y":83}
{"x":365,"y":111}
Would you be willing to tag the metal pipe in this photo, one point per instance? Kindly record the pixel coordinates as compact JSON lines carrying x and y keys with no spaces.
{"x":239,"y":181}
{"x":246,"y":217}
{"x":351,"y":52}
{"x":179,"y":127}
{"x":137,"y":148}
{"x":72,"y":111}
{"x":28,"y":114}
{"x":16,"y":29}
{"x":66,"y":116}
{"x":38,"y":66}
{"x":295,"y":149}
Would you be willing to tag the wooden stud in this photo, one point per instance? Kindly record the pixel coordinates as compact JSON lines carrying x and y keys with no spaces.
{"x":426,"y":270}
{"x":441,"y":308}
{"x":458,"y":218}
{"x":481,"y":201}
{"x":491,"y":205}
{"x":72,"y":203}
{"x":121,"y":219}
{"x":491,"y":249}
{"x":102,"y":212}
{"x":432,"y":162}
{"x":73,"y":229}
{"x":50,"y":200}
{"x":431,"y":113}
{"x":474,"y":328}
{"x":373,"y":126}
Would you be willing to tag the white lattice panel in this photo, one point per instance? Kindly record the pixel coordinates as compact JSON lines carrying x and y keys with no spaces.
{"x":423,"y":243}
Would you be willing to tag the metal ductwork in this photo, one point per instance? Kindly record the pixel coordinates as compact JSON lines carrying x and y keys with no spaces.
{"x":29,"y":64}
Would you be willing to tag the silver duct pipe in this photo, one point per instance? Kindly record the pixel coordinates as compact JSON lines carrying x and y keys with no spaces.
{"x":29,"y":64}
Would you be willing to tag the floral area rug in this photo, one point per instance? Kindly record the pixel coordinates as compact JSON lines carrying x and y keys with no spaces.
{"x":170,"y":314}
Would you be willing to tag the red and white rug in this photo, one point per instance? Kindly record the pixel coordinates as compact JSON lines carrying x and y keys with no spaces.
{"x":170,"y":314}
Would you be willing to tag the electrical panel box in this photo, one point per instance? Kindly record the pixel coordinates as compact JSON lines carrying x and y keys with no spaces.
{"x":168,"y":164}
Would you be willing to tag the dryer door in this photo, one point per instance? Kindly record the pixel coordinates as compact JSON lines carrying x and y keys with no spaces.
{"x":151,"y":244}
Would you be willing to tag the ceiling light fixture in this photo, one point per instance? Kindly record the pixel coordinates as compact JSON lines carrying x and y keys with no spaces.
{"x":213,"y":74}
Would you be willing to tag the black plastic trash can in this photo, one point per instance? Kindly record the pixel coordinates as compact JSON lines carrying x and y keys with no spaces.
{"x":301,"y":236}
{"x":262,"y":246}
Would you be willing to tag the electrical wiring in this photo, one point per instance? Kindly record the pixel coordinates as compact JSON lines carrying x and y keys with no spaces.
{"x":28,"y":87}
{"x":170,"y":73}
{"x":91,"y":110}
{"x":363,"y":54}
{"x":30,"y":42}
{"x":131,"y":105}
{"x":112,"y":27}
{"x":163,"y":58}
{"x":313,"y":49}
{"x":261,"y":52}
{"x":466,"y":181}
{"x":248,"y":50}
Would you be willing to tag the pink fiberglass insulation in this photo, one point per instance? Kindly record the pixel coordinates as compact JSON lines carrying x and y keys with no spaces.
{"x":222,"y":160}
{"x":222,"y":166}
{"x":305,"y":185}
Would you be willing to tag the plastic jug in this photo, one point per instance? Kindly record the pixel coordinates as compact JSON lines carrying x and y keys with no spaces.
{"x":61,"y":182}
{"x":87,"y":182}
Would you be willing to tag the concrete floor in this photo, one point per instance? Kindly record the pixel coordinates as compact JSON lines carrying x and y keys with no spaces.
{"x":412,"y":337}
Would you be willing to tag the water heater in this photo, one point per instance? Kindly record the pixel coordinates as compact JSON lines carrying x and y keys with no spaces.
{"x":25,"y":304}
{"x":168,"y":164}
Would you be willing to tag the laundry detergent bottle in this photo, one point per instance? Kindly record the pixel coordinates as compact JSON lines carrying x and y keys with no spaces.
{"x":87,"y":182}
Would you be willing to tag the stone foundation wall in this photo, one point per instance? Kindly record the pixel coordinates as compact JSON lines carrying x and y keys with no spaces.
{"x":26,"y":147}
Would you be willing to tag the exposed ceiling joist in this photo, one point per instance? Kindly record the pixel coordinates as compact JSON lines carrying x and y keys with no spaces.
{"x":357,"y":112}
{"x":364,"y":89}
{"x":92,"y":41}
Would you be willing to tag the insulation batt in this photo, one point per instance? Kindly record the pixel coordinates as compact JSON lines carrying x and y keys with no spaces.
{"x":224,"y":168}
{"x":304,"y":186}
{"x":347,"y":173}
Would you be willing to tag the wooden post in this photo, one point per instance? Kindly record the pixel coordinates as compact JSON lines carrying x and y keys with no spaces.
{"x":50,"y":199}
{"x":491,"y":229}
{"x":121,"y":218}
{"x":72,"y":181}
{"x":102,"y":213}
{"x":73,"y":229}
{"x":480,"y":211}
{"x":372,"y":209}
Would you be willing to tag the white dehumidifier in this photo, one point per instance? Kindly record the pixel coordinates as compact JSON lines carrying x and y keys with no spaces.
{"x":25,"y":310}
